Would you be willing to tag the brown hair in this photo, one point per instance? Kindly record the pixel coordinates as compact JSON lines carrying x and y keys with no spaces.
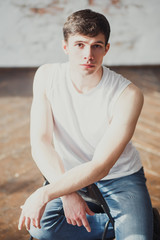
{"x":87,"y":23}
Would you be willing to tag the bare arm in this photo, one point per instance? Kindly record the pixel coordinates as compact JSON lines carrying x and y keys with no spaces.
{"x":41,"y":129}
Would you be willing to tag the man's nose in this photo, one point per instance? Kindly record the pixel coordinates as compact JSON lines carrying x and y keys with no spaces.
{"x":88,"y":53}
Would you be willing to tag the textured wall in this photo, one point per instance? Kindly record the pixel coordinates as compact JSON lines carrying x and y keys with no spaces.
{"x":31,"y":31}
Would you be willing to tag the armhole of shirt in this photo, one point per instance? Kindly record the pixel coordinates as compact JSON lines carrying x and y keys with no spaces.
{"x":50,"y":80}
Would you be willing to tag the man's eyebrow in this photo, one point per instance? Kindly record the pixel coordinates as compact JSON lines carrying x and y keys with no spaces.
{"x":100,"y":42}
{"x":81,"y":41}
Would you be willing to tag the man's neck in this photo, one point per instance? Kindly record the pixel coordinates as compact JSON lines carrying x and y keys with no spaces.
{"x":85,"y":82}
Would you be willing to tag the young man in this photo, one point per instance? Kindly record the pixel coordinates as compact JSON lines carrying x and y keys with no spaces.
{"x":83,"y":117}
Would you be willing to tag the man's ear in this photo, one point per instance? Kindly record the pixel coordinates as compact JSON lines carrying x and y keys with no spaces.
{"x":107,"y":48}
{"x":65,"y":46}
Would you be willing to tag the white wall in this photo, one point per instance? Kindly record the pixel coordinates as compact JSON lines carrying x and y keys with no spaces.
{"x":31,"y":30}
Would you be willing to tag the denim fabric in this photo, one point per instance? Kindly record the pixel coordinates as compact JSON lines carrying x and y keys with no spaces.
{"x":130,"y":206}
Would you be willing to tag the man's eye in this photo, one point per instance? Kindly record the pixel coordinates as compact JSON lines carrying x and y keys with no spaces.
{"x":97,"y":46}
{"x":80,"y":45}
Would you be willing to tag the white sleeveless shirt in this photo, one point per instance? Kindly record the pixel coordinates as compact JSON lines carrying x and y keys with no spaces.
{"x":80,"y":120}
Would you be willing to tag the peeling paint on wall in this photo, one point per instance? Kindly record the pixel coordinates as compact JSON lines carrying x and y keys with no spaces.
{"x":31,"y":31}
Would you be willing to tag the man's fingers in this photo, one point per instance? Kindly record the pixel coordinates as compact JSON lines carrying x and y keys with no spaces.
{"x":27,"y":223}
{"x":86,"y":224}
{"x":21,"y":221}
{"x":88,"y":211}
{"x":34,"y":223}
{"x":73,"y":222}
{"x":69,"y":221}
{"x":79,"y":223}
{"x":38,"y":222}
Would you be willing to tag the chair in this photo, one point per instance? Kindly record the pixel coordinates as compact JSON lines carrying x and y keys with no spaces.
{"x":93,"y":194}
{"x":156,"y":224}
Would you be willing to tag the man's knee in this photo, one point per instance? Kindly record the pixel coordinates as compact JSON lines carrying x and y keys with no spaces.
{"x":43,"y":233}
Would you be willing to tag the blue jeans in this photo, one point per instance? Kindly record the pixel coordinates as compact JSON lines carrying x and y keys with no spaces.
{"x":130,"y":206}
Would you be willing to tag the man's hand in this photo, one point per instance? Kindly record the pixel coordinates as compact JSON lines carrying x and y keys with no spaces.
{"x":33,"y":209}
{"x":75,"y":209}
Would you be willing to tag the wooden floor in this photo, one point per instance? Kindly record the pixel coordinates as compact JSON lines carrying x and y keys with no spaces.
{"x":18,"y":174}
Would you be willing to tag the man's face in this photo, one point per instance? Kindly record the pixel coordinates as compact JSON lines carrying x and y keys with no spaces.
{"x":86,"y":53}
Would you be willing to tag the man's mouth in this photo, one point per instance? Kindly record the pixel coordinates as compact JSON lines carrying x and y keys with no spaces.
{"x":88,"y":65}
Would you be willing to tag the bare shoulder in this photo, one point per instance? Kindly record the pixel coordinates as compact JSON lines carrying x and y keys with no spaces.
{"x":42,"y":71}
{"x":133,"y":89}
{"x":130,"y":103}
{"x":44,"y":68}
{"x":41,"y":78}
{"x":133,"y":94}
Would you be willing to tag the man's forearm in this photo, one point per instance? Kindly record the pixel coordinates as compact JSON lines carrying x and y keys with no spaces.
{"x":106,"y":154}
{"x":73,"y":180}
{"x":61,"y":182}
